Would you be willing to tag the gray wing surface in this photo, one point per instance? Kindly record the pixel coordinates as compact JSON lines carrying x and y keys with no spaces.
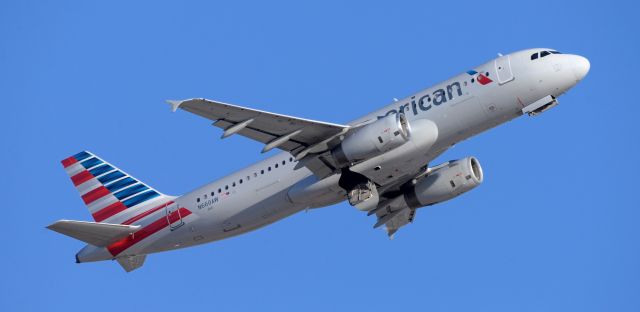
{"x":298,"y":136}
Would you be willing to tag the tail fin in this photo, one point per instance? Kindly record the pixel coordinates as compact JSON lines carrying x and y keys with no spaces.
{"x":111,"y":194}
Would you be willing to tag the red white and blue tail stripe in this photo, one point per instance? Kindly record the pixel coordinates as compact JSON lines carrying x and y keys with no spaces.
{"x":111,"y":194}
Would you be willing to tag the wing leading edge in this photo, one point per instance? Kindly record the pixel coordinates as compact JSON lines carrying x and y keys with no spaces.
{"x":299,"y":136}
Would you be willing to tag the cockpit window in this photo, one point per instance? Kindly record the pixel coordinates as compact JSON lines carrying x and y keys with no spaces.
{"x":543,"y":54}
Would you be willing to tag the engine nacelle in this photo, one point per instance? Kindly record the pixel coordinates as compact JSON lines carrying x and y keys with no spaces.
{"x":373,"y":139}
{"x":456,"y":178}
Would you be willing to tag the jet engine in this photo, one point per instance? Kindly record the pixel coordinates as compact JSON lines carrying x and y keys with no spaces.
{"x":373,"y":139}
{"x":453,"y":179}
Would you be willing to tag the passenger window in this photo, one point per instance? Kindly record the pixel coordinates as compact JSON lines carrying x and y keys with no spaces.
{"x":234,"y":184}
{"x":534,"y":56}
{"x":198,"y":199}
{"x":262,"y":171}
{"x":226,"y":187}
{"x":276,"y":165}
{"x":219,"y":191}
{"x":284,"y":162}
{"x":240,"y":181}
{"x":205,"y":196}
{"x":213,"y":193}
{"x":290,"y":159}
{"x":255,"y":174}
{"x":269,"y":168}
{"x":544,"y":53}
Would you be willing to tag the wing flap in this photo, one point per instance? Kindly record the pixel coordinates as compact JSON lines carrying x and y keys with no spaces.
{"x":94,"y":233}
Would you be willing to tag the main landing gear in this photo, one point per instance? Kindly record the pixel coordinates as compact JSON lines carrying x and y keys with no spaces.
{"x":361,"y":192}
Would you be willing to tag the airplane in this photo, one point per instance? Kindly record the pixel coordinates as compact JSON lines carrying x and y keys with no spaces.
{"x":378,"y":163}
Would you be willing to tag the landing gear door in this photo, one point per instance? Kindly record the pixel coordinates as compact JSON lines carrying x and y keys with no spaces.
{"x":503,"y":69}
{"x":174,"y":218}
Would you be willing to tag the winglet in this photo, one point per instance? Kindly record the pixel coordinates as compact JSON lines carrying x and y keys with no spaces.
{"x":174,"y":104}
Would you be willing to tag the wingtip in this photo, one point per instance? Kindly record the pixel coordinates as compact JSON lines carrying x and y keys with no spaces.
{"x":175,"y":104}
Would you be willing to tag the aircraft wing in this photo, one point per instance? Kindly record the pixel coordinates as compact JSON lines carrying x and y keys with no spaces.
{"x":298,"y":136}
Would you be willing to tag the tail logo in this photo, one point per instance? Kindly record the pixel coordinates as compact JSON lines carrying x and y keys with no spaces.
{"x":106,"y":190}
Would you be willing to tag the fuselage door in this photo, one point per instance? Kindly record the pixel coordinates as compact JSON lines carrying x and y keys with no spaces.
{"x":173,"y":216}
{"x":503,"y":69}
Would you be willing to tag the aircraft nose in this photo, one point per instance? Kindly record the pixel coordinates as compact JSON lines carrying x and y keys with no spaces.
{"x":580,"y":67}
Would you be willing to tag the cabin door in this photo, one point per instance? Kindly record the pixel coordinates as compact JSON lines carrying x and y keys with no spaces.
{"x":503,"y":69}
{"x":173,"y":216}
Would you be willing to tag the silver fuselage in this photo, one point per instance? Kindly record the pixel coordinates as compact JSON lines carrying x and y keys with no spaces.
{"x":226,"y":207}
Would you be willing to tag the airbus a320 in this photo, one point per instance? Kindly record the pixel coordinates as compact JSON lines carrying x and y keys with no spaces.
{"x":379,"y":163}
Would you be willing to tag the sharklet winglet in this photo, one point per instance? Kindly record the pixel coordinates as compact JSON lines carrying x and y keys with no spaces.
{"x":174,"y":104}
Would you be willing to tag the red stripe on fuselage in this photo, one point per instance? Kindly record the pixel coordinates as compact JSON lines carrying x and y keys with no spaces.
{"x":69,"y":161}
{"x":146,"y":213}
{"x":81,"y":177}
{"x":155,"y":226}
{"x":95,"y":194}
{"x":109,"y":211}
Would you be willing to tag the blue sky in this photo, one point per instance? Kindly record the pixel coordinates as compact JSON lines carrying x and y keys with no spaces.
{"x":554,"y":227}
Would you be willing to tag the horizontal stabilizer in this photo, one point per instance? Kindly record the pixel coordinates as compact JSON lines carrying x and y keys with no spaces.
{"x":132,"y":262}
{"x":94,"y":233}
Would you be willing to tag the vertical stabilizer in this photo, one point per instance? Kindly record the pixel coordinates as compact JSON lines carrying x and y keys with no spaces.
{"x":111,"y":195}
